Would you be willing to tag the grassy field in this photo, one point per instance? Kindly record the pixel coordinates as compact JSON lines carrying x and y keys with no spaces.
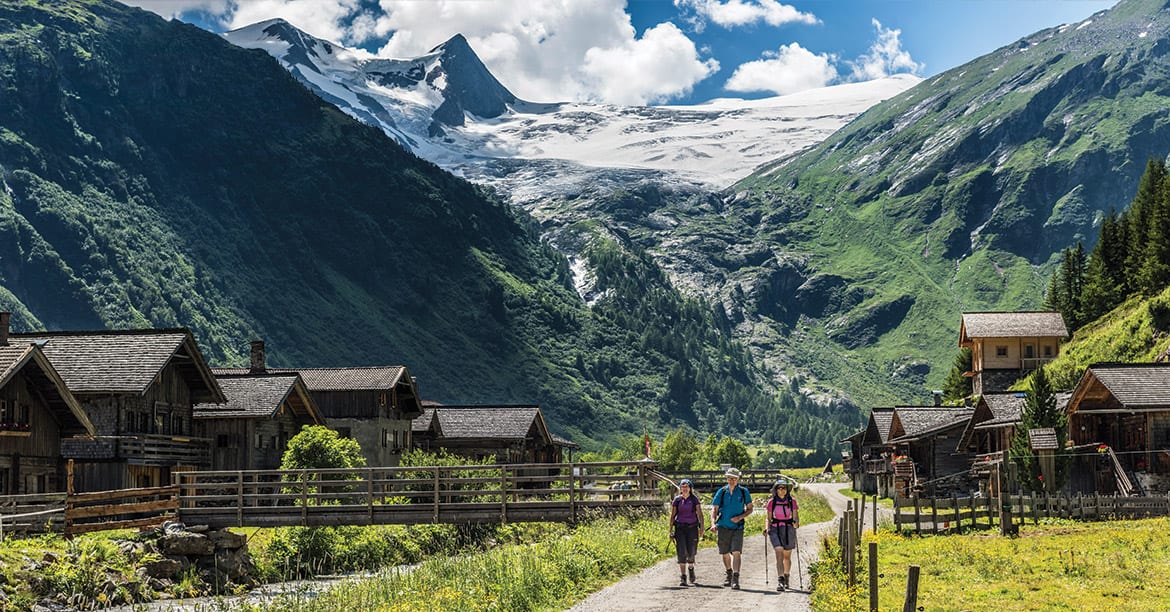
{"x":1056,"y":565}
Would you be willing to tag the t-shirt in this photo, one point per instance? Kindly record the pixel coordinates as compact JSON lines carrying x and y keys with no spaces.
{"x":782,"y":511}
{"x":731,"y":503}
{"x":687,"y":509}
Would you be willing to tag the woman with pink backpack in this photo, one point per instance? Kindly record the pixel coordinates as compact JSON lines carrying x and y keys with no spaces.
{"x":783,"y":519}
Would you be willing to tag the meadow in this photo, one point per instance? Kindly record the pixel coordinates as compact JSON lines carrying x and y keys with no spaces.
{"x":1055,"y":565}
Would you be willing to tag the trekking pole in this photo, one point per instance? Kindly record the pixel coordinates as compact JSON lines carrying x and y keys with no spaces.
{"x":799,"y":574}
{"x":766,"y":561}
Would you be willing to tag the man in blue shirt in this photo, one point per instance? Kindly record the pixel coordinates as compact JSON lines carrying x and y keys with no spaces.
{"x":729,"y":509}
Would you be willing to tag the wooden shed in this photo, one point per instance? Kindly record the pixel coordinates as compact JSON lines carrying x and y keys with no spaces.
{"x":871,"y":452}
{"x":139,"y":389}
{"x":263,"y":411}
{"x":36,"y":412}
{"x":926,"y":436}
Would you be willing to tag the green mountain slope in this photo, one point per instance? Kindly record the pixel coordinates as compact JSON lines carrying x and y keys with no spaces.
{"x":153,"y":174}
{"x":953,"y":196}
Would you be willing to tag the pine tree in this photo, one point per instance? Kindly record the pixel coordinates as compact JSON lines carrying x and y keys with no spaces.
{"x":1155,"y":271}
{"x":1064,"y":289}
{"x":1149,"y":194}
{"x":1104,"y":282}
{"x":1040,"y":410}
{"x":957,"y":386}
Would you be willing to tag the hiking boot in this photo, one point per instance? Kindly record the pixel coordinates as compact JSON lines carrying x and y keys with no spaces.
{"x":727,"y":580}
{"x":735,"y":581}
{"x":783,"y":582}
{"x":691,"y":574}
{"x":682,"y":580}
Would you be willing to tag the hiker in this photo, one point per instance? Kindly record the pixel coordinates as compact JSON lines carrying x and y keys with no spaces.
{"x":729,"y":509}
{"x":686,"y":523}
{"x":783,"y":519}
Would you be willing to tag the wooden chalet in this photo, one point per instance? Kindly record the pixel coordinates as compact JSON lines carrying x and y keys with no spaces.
{"x":138,"y":388}
{"x":372,"y":405}
{"x":1006,"y":345}
{"x":506,"y":434}
{"x":1126,"y":408}
{"x":36,"y":412}
{"x":924,"y":440}
{"x":869,"y":454}
{"x":263,"y":411}
{"x":988,"y":435}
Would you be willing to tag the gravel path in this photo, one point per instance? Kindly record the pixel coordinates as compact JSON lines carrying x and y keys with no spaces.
{"x":656,"y":588}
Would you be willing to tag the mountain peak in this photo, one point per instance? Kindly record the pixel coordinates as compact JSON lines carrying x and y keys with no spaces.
{"x":456,"y":43}
{"x":469,"y":85}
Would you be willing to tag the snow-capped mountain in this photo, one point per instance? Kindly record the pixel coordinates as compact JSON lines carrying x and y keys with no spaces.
{"x":447,"y":107}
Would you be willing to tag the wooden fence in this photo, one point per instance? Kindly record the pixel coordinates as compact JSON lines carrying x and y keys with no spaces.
{"x":939,"y":515}
{"x":121,"y":509}
{"x":31,"y":513}
{"x":558,"y":492}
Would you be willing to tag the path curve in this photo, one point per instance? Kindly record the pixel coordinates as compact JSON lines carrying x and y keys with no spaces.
{"x":656,"y":588}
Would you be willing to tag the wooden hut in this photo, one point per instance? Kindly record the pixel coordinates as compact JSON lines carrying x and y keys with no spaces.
{"x":263,"y":411}
{"x":1126,"y":408}
{"x":1005,"y":346}
{"x":36,"y":412}
{"x":373,"y":405}
{"x":926,"y":437}
{"x":504,"y":434}
{"x":871,"y":450}
{"x":139,"y":389}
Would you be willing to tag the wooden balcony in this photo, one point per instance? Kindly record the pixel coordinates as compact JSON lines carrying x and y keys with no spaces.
{"x":1031,"y":363}
{"x":878,"y":466}
{"x":162,"y":450}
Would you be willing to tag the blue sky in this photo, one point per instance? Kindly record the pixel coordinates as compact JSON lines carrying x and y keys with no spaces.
{"x":664,"y":51}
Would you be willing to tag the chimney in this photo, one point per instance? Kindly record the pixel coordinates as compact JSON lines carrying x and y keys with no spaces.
{"x":937,"y":397}
{"x":5,"y":317}
{"x":257,"y":355}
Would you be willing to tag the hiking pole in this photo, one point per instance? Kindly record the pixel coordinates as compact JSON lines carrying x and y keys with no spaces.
{"x":799,"y":574}
{"x":766,"y":561}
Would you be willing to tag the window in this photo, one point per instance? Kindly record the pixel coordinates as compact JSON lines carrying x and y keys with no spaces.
{"x":397,"y":446}
{"x":162,"y":418}
{"x":386,"y":438}
{"x":1029,"y":351}
{"x":1001,"y":351}
{"x":1047,"y":350}
{"x":177,"y":424}
{"x":259,"y":441}
{"x":4,"y":411}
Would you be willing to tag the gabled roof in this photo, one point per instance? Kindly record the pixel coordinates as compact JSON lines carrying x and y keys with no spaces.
{"x":1011,"y":325}
{"x":915,"y":422}
{"x":29,"y":358}
{"x":877,"y":429}
{"x":371,"y":378}
{"x":124,"y":361}
{"x":1043,"y":438}
{"x":1133,"y":386}
{"x":253,"y":396}
{"x":485,"y":422}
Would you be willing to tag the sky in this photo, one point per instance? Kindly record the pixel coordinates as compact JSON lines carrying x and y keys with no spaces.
{"x":663,"y":51}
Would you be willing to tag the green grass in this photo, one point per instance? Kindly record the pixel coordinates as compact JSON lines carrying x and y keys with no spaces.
{"x":1056,"y":565}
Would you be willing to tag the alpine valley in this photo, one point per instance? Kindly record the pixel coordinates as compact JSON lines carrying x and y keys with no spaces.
{"x":845,"y":259}
{"x":760,"y":268}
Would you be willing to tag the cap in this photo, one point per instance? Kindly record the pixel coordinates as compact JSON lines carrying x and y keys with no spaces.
{"x":733,"y":472}
{"x":684,"y":481}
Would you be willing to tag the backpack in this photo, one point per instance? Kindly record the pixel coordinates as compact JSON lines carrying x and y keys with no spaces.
{"x":696,"y":505}
{"x":718,"y":499}
{"x":776,"y":501}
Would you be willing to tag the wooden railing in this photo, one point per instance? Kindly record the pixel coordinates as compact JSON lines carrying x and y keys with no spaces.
{"x":560,"y":492}
{"x":878,"y":466}
{"x":939,"y":515}
{"x":1031,"y":363}
{"x":707,"y":481}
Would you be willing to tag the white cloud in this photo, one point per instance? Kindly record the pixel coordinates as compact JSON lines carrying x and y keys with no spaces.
{"x":885,"y":57}
{"x":790,"y":70}
{"x":734,"y":13}
{"x":542,"y":51}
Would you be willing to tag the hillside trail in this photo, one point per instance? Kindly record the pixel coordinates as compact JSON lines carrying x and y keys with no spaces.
{"x":656,"y":588}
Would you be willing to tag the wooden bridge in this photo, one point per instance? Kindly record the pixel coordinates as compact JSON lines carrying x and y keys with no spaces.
{"x":555,"y":492}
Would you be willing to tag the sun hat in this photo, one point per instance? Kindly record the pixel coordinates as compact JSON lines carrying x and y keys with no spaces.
{"x":733,"y":472}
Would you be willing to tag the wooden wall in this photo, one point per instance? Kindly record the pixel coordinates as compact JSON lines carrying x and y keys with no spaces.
{"x":30,"y":461}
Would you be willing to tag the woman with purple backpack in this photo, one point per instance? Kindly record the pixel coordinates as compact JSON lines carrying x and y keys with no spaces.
{"x":686,"y":523}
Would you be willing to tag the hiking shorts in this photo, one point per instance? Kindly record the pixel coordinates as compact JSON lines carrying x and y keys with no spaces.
{"x":730,"y":540}
{"x":686,"y":541}
{"x":783,"y":536}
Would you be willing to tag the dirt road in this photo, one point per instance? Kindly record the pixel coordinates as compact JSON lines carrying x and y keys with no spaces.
{"x":656,"y":588}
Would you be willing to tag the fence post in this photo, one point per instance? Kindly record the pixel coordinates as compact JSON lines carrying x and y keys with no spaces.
{"x":934,"y":514}
{"x":573,"y":495}
{"x":917,"y":515}
{"x":436,"y":493}
{"x":911,"y":604}
{"x":897,"y":513}
{"x":851,"y":552}
{"x":861,"y":516}
{"x":873,"y":577}
{"x":503,"y":494}
{"x":875,"y":513}
{"x":370,"y":495}
{"x":239,"y":498}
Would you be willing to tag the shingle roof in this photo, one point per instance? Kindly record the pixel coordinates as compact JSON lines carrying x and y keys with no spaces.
{"x":1012,"y":325}
{"x":1135,"y":384}
{"x":499,"y":422}
{"x":249,"y":396}
{"x":919,"y":420}
{"x":17,"y":357}
{"x":1043,"y":438}
{"x":372,"y":378}
{"x":125,"y":361}
{"x":882,"y":421}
